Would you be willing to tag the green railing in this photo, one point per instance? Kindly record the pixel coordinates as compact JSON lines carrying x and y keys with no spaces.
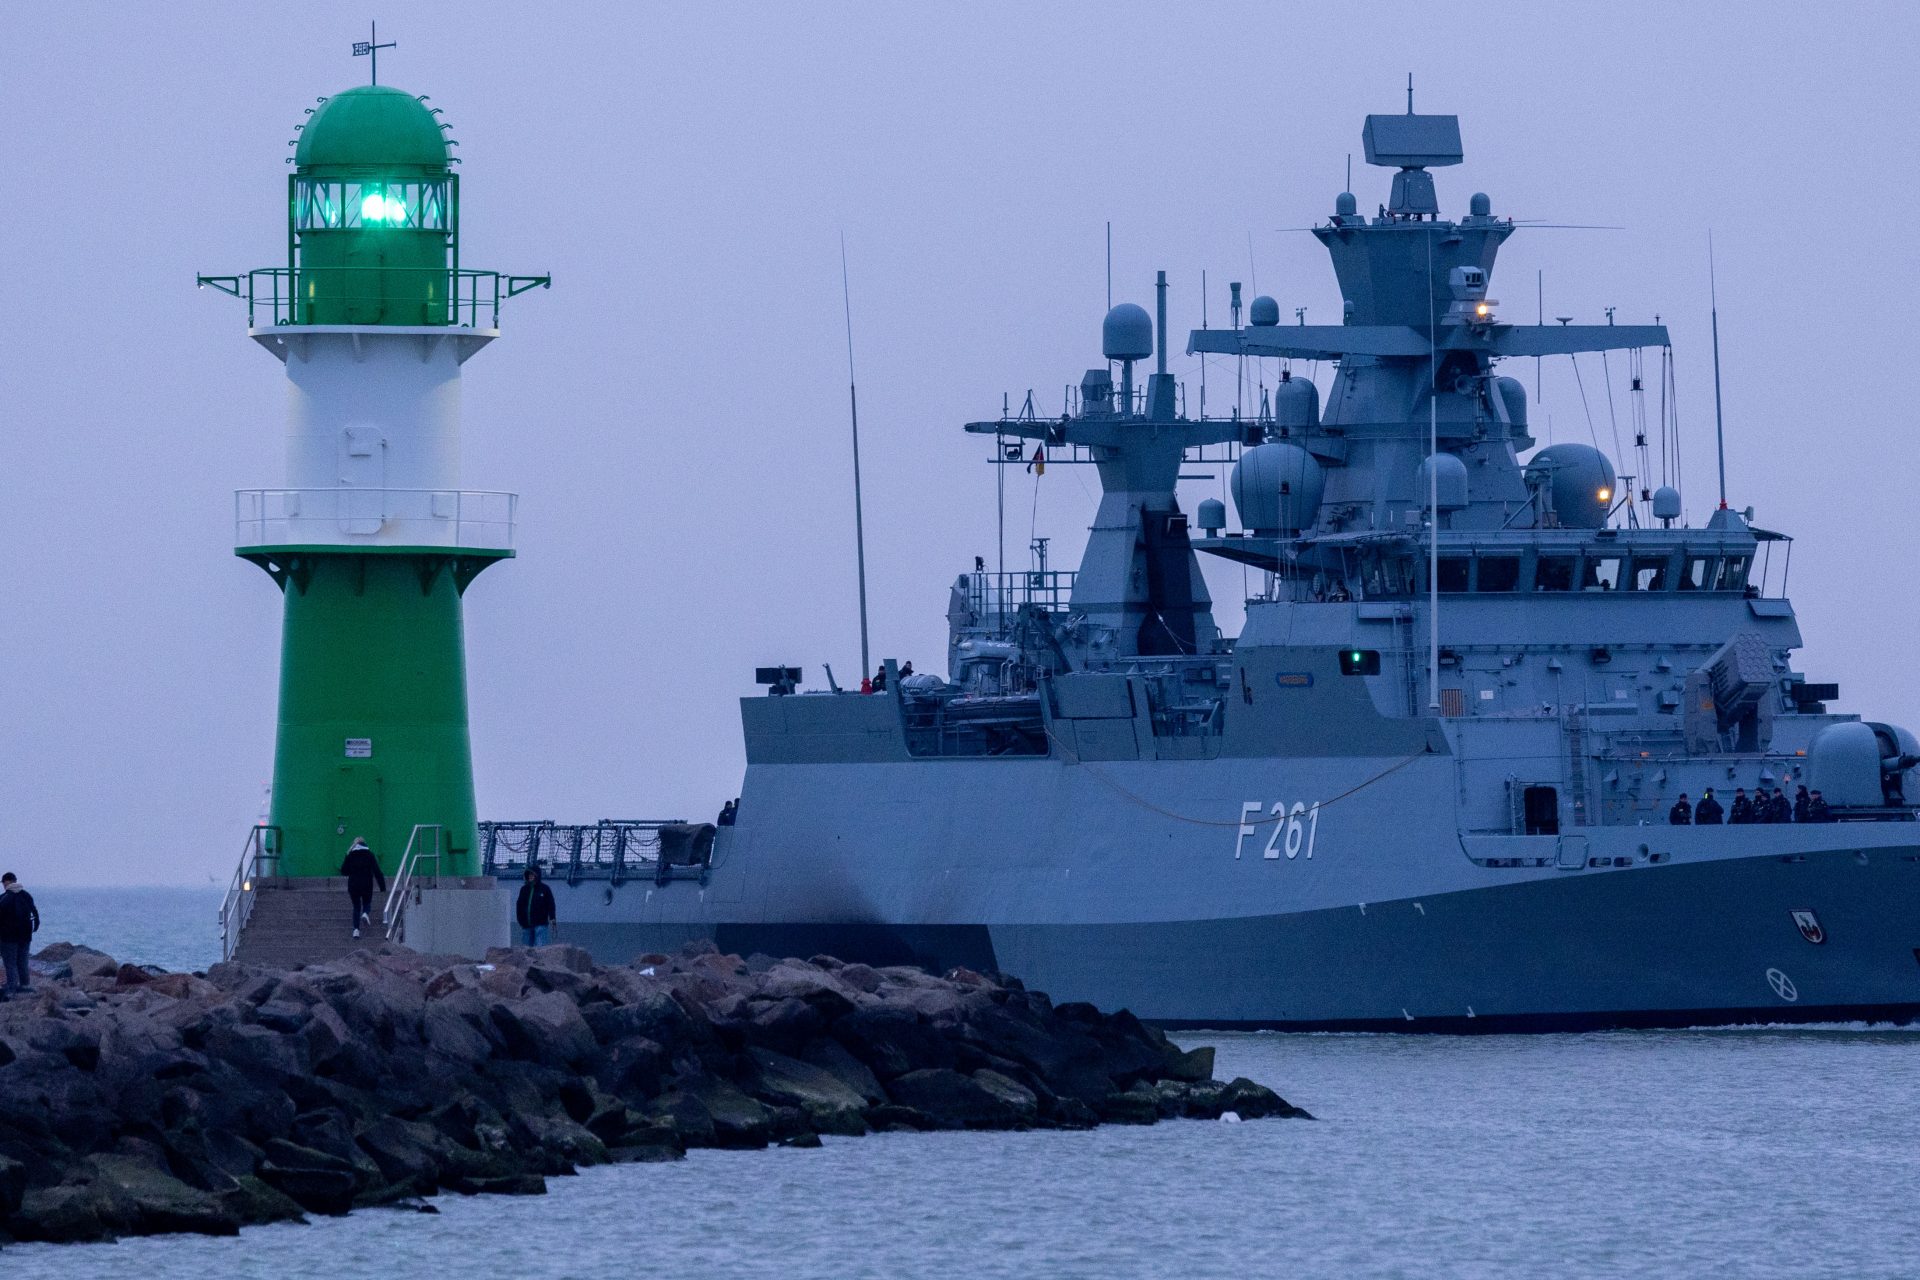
{"x":463,"y":297}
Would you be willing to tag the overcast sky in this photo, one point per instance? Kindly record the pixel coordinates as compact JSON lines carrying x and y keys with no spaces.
{"x":673,"y":412}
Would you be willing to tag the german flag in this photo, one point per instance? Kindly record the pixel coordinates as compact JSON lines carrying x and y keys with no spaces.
{"x":1037,"y":464}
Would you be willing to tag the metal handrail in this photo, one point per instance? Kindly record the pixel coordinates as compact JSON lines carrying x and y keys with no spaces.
{"x":481,"y":519}
{"x":469,"y":295}
{"x":237,"y":906}
{"x":395,"y":911}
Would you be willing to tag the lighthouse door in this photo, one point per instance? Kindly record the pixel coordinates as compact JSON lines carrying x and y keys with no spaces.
{"x":363,"y":479}
{"x":357,"y":804}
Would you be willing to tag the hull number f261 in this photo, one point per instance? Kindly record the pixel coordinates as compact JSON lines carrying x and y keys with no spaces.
{"x":1291,"y":829}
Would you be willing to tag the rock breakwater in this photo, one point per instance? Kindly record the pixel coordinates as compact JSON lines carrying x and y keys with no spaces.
{"x":135,"y":1101}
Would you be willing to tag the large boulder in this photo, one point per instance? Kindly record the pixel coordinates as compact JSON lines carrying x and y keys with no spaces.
{"x":85,"y":962}
{"x":546,"y":1027}
{"x":954,"y":1101}
{"x":319,"y":1182}
{"x":893,"y":1041}
{"x":829,"y":1103}
{"x":158,"y":1202}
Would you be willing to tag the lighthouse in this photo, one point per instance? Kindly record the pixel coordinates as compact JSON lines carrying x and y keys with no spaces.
{"x":372,"y":540}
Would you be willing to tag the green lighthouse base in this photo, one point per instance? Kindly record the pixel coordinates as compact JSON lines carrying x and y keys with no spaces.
{"x":373,"y":736}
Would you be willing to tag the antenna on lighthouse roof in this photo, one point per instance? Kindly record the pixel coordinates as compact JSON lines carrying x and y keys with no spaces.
{"x":371,"y":47}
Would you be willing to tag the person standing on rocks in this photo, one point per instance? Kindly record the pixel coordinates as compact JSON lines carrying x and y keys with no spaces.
{"x":361,"y":869}
{"x":535,"y":911}
{"x":19,"y":920}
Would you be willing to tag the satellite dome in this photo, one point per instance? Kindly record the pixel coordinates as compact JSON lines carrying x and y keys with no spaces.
{"x":1296,"y":403}
{"x":1579,"y":481}
{"x":373,"y":127}
{"x":1265,"y":311}
{"x":1344,"y":205}
{"x":1212,"y":515}
{"x":1127,"y":333}
{"x":1514,"y":397}
{"x":1448,"y":486}
{"x":1666,"y":503}
{"x":1480,"y":205}
{"x":1276,"y":488}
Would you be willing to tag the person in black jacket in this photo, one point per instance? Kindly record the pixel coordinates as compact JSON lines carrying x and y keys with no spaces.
{"x":361,"y":869}
{"x":535,"y":910}
{"x":1742,"y":811}
{"x":1681,"y":815}
{"x":1801,"y":801}
{"x":19,"y":920}
{"x":1708,"y":812}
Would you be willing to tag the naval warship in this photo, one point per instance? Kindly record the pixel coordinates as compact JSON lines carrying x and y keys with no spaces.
{"x":1430,"y":786}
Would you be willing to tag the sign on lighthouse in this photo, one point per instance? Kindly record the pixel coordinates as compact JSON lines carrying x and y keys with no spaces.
{"x":372,"y":538}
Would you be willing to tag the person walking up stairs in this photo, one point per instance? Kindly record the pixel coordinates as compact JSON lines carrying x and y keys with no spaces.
{"x":361,"y":869}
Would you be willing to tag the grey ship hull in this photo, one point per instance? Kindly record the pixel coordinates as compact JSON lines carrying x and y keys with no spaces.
{"x":1118,"y":883}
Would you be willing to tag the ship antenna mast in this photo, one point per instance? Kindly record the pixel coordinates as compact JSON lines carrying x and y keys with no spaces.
{"x":1719,"y":426}
{"x":1433,"y":477}
{"x":853,"y":413}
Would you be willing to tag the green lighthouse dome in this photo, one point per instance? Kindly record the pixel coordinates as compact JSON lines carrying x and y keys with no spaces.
{"x":372,"y":127}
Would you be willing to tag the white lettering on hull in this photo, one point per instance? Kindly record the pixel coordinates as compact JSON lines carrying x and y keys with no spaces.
{"x":1295,"y":828}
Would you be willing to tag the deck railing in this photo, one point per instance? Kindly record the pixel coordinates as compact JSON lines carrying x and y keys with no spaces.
{"x":613,"y":849}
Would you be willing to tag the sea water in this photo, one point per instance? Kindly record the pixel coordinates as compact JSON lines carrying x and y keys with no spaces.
{"x":1788,"y":1152}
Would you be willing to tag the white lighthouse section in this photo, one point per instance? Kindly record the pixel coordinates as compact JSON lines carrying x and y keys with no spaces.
{"x":373,"y":445}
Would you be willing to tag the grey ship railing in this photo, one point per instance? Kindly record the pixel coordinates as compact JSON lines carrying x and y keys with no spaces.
{"x":1005,"y":594}
{"x":614,"y":849}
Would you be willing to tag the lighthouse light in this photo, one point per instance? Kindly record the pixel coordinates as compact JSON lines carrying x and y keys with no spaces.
{"x":376,"y":207}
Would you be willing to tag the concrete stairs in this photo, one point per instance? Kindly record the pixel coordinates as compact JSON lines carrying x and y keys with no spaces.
{"x":304,"y":920}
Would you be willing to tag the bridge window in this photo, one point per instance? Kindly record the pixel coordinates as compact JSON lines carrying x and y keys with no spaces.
{"x":1697,"y":574}
{"x":1499,"y":573}
{"x":1733,"y":573}
{"x":1453,"y":573}
{"x":1649,"y":573}
{"x":1602,"y":573}
{"x":1553,"y":573}
{"x":1359,"y":662}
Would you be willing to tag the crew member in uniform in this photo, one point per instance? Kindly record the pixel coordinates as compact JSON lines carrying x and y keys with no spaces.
{"x":1742,"y":812}
{"x":1708,"y":812}
{"x":1681,"y":815}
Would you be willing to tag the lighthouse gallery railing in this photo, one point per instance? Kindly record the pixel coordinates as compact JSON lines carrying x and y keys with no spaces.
{"x":466,"y":297}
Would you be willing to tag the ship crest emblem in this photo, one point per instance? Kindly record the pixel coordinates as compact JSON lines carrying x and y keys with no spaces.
{"x":1809,"y":926}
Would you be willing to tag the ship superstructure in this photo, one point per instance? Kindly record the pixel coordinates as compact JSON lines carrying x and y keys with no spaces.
{"x":1429,"y":786}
